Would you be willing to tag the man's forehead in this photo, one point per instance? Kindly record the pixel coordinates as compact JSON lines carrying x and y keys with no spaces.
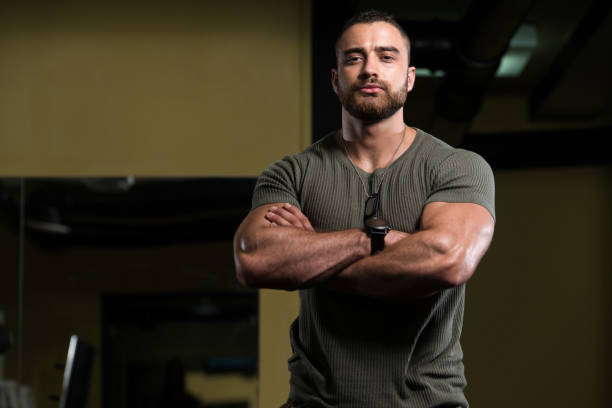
{"x":371,"y":35}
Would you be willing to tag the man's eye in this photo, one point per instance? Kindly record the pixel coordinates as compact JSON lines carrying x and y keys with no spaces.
{"x":387,"y":58}
{"x":353,"y":59}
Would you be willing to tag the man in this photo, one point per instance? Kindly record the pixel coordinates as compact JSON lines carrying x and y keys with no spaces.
{"x":379,"y":225}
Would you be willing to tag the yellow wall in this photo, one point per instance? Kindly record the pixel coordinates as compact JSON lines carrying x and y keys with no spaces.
{"x":538,"y":310}
{"x":160,"y":88}
{"x":221,"y":388}
{"x":277,"y":310}
{"x":149,"y":89}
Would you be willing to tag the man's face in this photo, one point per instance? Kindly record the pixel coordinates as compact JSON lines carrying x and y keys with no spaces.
{"x":373,"y":77}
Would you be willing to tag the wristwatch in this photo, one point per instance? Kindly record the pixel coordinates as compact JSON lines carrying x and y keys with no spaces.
{"x":377,"y":228}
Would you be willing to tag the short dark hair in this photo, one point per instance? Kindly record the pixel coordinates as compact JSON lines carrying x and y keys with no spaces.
{"x":373,"y":16}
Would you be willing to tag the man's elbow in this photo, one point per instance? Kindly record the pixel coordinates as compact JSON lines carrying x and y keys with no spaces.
{"x":247,"y":272}
{"x":256,"y":273}
{"x":465,"y":256}
{"x":457,"y":273}
{"x":457,"y":252}
{"x":460,"y":263}
{"x":244,"y":278}
{"x":247,"y":261}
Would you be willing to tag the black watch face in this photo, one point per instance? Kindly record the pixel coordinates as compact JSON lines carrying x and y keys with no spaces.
{"x":377,"y":224}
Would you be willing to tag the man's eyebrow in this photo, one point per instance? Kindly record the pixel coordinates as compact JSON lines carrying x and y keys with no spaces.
{"x":355,"y":50}
{"x":361,"y":50}
{"x":387,"y":48}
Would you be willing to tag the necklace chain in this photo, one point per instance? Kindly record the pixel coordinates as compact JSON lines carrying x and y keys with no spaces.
{"x":386,"y":167}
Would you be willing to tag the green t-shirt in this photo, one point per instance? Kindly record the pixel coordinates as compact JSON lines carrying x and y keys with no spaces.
{"x":352,"y":351}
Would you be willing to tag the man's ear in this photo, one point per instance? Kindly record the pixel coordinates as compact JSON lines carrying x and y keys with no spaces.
{"x":334,"y":80}
{"x":411,"y":78}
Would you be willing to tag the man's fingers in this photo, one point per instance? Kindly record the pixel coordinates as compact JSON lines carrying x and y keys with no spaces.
{"x":275,"y":218}
{"x":307,"y":224}
{"x":299,"y":216}
{"x":283,"y":217}
{"x":288,"y":215}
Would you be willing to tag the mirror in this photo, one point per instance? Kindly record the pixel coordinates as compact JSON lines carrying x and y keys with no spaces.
{"x":142,"y":270}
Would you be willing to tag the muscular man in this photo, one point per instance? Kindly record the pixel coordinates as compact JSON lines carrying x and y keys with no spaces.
{"x":379,"y":225}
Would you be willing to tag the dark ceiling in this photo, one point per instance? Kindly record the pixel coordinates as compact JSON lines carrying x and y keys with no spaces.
{"x":558,"y":111}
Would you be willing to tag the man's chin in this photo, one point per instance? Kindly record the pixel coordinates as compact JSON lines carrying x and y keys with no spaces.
{"x":371,"y":114}
{"x":368,"y":116}
{"x":369,"y":105}
{"x":369,"y":108}
{"x":368,"y":112}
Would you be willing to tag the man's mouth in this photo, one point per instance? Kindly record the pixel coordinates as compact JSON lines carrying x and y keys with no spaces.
{"x":371,"y":89}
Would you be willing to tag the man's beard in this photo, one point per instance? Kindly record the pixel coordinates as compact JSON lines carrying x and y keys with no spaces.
{"x":372,"y":108}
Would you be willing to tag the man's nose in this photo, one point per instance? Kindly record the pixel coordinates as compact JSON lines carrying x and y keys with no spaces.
{"x":369,"y":69}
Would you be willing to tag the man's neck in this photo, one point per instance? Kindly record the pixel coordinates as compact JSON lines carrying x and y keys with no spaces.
{"x":375,"y":145}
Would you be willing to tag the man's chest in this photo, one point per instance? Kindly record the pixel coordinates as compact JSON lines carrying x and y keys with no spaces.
{"x":336,"y":199}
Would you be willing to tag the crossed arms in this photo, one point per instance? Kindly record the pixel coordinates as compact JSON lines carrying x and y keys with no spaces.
{"x":276,"y":247}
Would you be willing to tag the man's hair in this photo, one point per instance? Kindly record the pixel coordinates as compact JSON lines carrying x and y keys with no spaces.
{"x":373,"y":16}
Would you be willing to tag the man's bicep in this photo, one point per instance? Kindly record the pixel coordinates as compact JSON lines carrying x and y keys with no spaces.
{"x":464,"y":177}
{"x":456,"y":218}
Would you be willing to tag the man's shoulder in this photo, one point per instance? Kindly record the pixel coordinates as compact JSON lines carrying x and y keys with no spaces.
{"x":325,"y":145}
{"x":321,"y":150}
{"x":437,"y":151}
{"x":430,"y":146}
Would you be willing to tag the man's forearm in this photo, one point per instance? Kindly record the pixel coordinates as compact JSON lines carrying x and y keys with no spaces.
{"x":418,"y":265}
{"x":281,"y":257}
{"x":443,"y":254}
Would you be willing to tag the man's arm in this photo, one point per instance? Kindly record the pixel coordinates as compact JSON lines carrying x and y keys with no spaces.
{"x":444,"y":253}
{"x":279,"y":249}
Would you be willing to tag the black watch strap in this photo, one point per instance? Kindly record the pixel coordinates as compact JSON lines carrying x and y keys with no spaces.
{"x":377,"y":229}
{"x":378,"y":241}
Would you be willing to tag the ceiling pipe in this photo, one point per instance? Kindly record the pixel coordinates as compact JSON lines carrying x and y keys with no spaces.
{"x":482,"y":38}
{"x":592,"y":21}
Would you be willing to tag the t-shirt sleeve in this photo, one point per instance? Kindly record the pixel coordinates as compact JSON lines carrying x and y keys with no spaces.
{"x":278,"y":183}
{"x":464,"y":177}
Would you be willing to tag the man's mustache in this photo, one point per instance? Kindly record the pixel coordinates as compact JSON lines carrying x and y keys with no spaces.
{"x":380,"y":85}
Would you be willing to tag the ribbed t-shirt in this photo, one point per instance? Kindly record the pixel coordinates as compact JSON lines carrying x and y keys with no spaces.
{"x":352,"y":351}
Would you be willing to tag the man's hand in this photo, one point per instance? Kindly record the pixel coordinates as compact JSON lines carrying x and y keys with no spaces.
{"x":269,"y":256}
{"x":288,"y":215}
